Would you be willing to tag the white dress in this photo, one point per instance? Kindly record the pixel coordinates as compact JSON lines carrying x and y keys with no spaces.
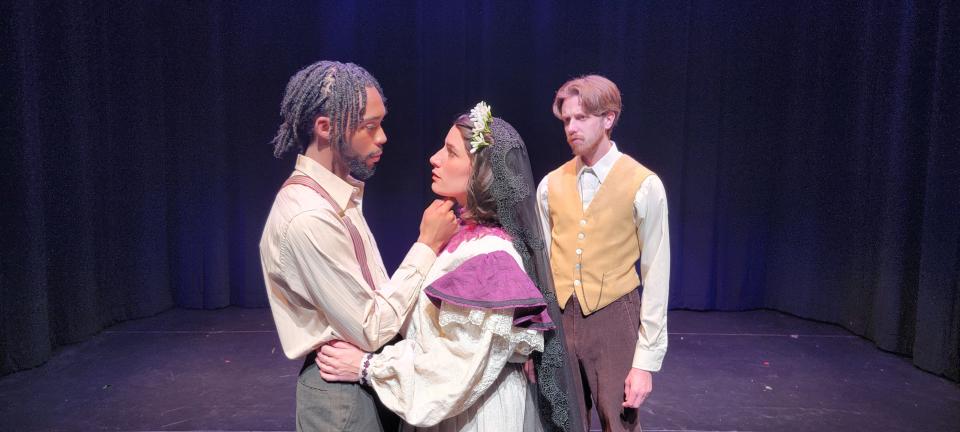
{"x":459,"y":366}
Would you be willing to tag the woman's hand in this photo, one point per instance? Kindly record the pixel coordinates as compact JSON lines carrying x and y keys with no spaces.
{"x":339,"y":361}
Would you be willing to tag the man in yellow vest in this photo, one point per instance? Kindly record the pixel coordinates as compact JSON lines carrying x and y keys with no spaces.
{"x":605,"y":212}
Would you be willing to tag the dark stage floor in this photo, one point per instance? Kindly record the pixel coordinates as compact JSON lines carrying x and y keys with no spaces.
{"x":223,"y":370}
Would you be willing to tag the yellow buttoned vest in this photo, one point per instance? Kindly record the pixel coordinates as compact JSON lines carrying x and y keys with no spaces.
{"x":593,"y":252}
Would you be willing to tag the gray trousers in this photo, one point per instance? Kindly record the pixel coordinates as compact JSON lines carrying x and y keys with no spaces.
{"x":323,"y":406}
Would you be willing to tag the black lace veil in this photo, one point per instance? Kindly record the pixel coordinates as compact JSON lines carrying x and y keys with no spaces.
{"x":515,"y":194}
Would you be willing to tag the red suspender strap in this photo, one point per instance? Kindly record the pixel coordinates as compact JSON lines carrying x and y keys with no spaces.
{"x":358,"y":248}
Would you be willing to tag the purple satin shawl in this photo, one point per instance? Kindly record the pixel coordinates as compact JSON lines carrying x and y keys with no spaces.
{"x":493,"y":281}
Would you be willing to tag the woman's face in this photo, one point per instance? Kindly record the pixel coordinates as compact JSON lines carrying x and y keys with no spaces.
{"x":451,"y":168}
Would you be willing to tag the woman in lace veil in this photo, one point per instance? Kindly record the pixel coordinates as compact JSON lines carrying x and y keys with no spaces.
{"x":487,"y":306}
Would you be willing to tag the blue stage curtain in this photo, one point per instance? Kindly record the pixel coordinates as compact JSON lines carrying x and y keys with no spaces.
{"x":810,"y":150}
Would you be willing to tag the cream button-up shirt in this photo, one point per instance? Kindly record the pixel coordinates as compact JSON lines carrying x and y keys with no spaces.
{"x":314,"y":283}
{"x":653,"y":232}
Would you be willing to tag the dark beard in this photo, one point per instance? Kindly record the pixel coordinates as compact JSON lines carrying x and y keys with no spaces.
{"x":359,"y":169}
{"x":357,"y":164}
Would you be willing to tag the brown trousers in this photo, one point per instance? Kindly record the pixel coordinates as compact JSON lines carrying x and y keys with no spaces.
{"x":603,"y":345}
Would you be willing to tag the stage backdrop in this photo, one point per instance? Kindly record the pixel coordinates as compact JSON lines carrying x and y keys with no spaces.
{"x":809,"y":149}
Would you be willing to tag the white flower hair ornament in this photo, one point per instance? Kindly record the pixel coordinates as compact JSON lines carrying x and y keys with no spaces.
{"x":481,"y":116}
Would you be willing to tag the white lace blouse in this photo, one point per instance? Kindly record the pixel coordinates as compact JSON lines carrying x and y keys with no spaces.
{"x":459,"y":366}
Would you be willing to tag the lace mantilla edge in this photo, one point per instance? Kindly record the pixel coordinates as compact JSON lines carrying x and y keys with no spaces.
{"x":498,"y":323}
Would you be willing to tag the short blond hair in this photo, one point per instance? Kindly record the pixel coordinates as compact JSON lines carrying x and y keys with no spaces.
{"x":598,"y":96}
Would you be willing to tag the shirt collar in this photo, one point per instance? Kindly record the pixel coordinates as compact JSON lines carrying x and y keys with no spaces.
{"x":604,"y":165}
{"x":339,"y":189}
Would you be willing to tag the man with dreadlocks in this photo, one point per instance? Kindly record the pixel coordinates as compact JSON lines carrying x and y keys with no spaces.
{"x":324,"y":275}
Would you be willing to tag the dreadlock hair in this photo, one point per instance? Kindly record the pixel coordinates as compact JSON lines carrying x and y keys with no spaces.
{"x":481,"y":204}
{"x":325,"y":88}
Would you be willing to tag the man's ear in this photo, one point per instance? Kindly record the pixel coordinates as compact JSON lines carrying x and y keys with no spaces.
{"x":321,"y":128}
{"x":608,"y":118}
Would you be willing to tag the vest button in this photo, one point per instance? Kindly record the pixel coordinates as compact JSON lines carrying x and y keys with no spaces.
{"x":577,"y":266}
{"x":576,"y":282}
{"x":580,"y":236}
{"x":583,"y":222}
{"x":579,"y":251}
